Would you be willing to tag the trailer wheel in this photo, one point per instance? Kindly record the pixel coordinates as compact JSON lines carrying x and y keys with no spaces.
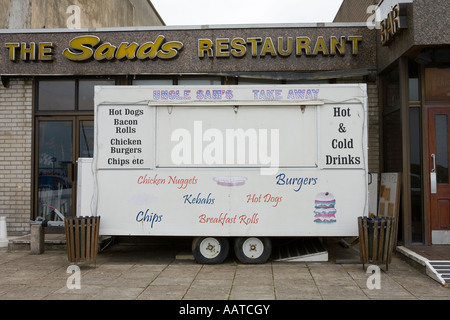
{"x":210,"y":250}
{"x":253,"y":250}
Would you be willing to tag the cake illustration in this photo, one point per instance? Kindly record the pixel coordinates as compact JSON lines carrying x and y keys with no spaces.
{"x":324,"y":208}
{"x":230,"y":181}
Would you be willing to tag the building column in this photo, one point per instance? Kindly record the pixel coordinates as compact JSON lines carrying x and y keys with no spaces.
{"x":406,"y":174}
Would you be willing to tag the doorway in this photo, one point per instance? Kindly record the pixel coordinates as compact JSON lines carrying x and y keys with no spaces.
{"x":64,"y":131}
{"x":60,"y":142}
{"x":438,"y":117}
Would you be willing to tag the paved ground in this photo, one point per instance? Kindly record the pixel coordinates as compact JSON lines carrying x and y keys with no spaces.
{"x":152,"y":272}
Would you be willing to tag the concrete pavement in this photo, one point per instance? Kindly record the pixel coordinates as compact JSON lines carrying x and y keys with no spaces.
{"x":152,"y":272}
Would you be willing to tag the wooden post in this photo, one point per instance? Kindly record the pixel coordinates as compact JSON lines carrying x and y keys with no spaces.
{"x":37,"y":239}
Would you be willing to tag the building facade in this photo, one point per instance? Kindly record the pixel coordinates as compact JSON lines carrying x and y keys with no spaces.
{"x":17,"y":93}
{"x":413,"y":58}
{"x":413,"y":78}
{"x":52,"y":14}
{"x":48,"y":76}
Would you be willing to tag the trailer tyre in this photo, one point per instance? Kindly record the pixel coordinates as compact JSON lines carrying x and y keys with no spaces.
{"x":253,"y":250}
{"x":210,"y":250}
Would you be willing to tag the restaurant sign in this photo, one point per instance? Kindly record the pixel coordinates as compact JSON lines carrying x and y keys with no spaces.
{"x":85,"y":47}
{"x":186,"y":51}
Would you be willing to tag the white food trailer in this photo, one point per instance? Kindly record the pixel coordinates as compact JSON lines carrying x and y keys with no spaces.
{"x":228,"y":163}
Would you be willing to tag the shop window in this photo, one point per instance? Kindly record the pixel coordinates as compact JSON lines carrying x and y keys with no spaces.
{"x":392,"y":92}
{"x":324,"y":81}
{"x":199,"y":81}
{"x":153,"y":82}
{"x":415,"y":151}
{"x":86,"y":139}
{"x":86,"y":92}
{"x":182,"y":81}
{"x":392,"y":142}
{"x":56,"y":95}
{"x":415,"y":174}
{"x":414,"y":88}
{"x":392,"y":130}
{"x":258,"y":81}
{"x":68,"y":95}
{"x":54,"y":165}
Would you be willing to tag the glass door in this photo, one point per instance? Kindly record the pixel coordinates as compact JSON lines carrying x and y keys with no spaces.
{"x":85,"y":137}
{"x":64,"y":122}
{"x":438,"y":167}
{"x":55,"y":170}
{"x":60,"y":142}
